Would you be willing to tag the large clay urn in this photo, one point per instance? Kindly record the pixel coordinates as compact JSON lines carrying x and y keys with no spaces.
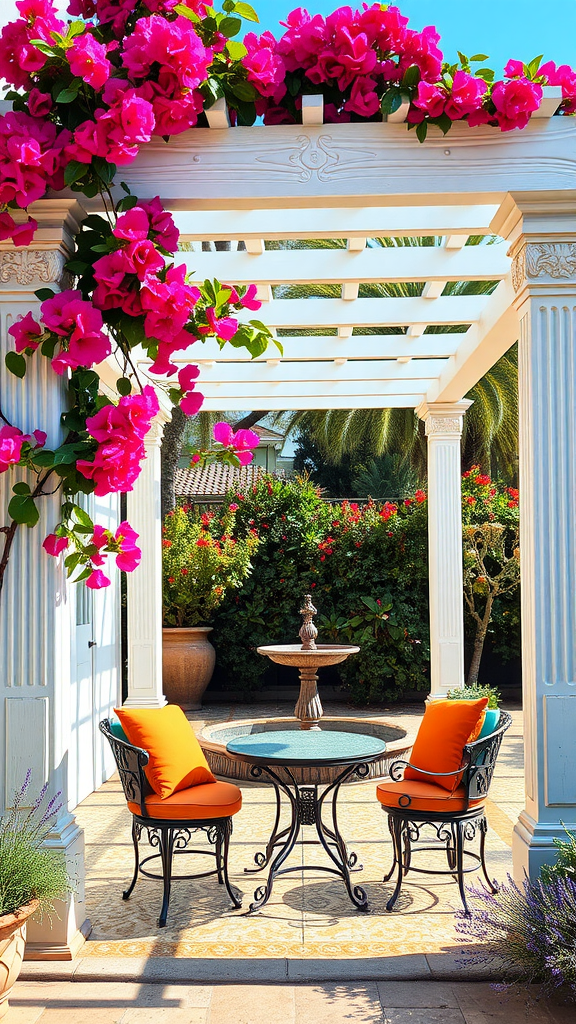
{"x":12,"y":942}
{"x":187,"y":665}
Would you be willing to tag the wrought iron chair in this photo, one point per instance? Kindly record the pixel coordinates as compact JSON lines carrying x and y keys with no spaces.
{"x":170,"y":835}
{"x":456,"y":818}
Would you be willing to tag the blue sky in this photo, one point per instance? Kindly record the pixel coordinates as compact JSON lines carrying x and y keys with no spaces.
{"x":499,"y":28}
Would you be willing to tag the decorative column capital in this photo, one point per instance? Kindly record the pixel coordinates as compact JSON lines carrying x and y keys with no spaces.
{"x":443,"y":419}
{"x":154,"y":436}
{"x":543,"y":263}
{"x":25,"y":267}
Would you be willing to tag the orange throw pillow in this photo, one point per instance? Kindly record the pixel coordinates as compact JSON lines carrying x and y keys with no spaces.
{"x":444,"y":731}
{"x":176,"y":758}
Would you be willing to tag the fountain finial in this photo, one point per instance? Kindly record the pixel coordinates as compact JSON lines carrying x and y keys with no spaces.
{"x":308,"y":631}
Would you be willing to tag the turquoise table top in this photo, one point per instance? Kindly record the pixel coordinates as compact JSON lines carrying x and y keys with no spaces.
{"x":306,"y":747}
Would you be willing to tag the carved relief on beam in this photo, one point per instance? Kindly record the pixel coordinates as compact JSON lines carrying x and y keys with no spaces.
{"x":545,"y":261}
{"x":29,"y":266}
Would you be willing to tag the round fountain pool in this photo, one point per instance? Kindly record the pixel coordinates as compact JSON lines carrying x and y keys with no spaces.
{"x":213,"y":739}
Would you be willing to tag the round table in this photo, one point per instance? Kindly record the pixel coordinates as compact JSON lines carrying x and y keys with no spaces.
{"x":271,"y":754}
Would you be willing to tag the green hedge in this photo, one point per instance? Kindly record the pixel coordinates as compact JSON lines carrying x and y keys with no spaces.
{"x":367,"y":570}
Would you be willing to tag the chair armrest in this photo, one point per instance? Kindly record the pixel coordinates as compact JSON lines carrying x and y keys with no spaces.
{"x":397,"y":770}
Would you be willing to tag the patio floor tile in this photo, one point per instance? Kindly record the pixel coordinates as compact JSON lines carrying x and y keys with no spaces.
{"x":338,"y":1004}
{"x":252,"y":1004}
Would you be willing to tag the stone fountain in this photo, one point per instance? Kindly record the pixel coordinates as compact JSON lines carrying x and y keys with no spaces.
{"x":308,"y":657}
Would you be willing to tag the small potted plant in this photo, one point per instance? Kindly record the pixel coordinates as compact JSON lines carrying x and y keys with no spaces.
{"x":202,"y":561}
{"x":475,"y":692}
{"x":31,"y":877}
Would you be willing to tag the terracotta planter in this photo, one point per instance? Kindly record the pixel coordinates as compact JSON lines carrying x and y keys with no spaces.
{"x":12,"y":942}
{"x":188,"y":660}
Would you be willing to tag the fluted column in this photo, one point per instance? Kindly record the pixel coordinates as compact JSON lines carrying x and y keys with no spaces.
{"x":144,"y":587}
{"x":443,"y":423}
{"x":37,"y":604}
{"x":544,"y":277}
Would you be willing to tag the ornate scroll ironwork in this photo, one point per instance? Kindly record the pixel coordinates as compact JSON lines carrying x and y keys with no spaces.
{"x":307,"y":806}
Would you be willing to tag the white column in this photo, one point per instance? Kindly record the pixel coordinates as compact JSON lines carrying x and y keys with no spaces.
{"x":144,"y":587}
{"x":36,"y":610}
{"x":544,"y":277}
{"x":443,"y":422}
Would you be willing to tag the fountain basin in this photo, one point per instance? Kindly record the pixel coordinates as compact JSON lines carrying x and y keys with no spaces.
{"x":293,"y":655}
{"x":213,"y":740}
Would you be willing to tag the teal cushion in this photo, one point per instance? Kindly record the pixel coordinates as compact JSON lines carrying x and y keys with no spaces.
{"x":117,"y":730}
{"x":491,"y":720}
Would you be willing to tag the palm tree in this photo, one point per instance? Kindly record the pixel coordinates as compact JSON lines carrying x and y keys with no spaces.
{"x":491,"y":426}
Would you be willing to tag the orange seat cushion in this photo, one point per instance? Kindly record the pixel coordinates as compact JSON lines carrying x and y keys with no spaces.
{"x":422,"y":796}
{"x":211,"y":800}
{"x":176,"y":758}
{"x":444,"y":731}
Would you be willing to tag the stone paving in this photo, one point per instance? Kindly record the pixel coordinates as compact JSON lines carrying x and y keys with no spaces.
{"x":382,"y":1002}
{"x":309,"y":914}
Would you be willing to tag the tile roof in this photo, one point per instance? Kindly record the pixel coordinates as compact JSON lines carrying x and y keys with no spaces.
{"x":216,"y":480}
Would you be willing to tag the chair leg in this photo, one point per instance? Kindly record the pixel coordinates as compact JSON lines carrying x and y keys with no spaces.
{"x":460,"y":863}
{"x":492,"y":885}
{"x":166,"y":851}
{"x":218,"y":845}
{"x":396,"y":829}
{"x":135,"y":835}
{"x":237,"y":901}
{"x":407,"y":850}
{"x":451,"y":849}
{"x":391,"y":872}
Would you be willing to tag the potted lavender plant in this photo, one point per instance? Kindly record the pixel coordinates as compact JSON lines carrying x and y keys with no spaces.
{"x":31,"y":877}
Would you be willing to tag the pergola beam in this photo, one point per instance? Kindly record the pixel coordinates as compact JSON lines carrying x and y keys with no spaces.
{"x":380,"y":312}
{"x":279,"y":372}
{"x":216,"y":402}
{"x":256,"y":394}
{"x":339,"y":266}
{"x":346,"y":222}
{"x":361,"y":346}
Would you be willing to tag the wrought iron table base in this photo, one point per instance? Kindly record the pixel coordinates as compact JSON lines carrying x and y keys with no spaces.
{"x":307,"y":807}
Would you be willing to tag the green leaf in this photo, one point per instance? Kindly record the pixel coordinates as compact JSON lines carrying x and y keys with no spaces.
{"x":71,"y":561}
{"x":76,"y":267}
{"x":82,"y":517}
{"x":422,"y":131}
{"x":123,"y":386}
{"x":371,"y":604}
{"x":411,"y":76}
{"x":69,"y":94}
{"x":124,"y":186}
{"x":43,"y":458}
{"x":244,"y":91}
{"x":486,"y":73}
{"x":391,"y":101}
{"x":187,"y":13}
{"x":98,"y":224}
{"x":444,"y":123}
{"x":236,"y":49}
{"x":462,"y":57}
{"x":22,"y":509}
{"x":42,"y":46}
{"x":104,"y":170}
{"x":15,"y":363}
{"x":44,"y":293}
{"x":230,"y":26}
{"x":127,"y":203}
{"x":246,"y":11}
{"x":75,"y":28}
{"x":479,"y":57}
{"x":68,"y":453}
{"x":21,"y":488}
{"x":48,"y":346}
{"x":73,"y":171}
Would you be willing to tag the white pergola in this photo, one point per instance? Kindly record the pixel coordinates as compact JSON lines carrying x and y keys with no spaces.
{"x":359,"y":182}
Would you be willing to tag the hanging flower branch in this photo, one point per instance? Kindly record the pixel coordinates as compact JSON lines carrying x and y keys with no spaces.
{"x":90,"y":93}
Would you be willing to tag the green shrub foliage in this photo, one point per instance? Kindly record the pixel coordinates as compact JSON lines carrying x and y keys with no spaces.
{"x":366,"y":567}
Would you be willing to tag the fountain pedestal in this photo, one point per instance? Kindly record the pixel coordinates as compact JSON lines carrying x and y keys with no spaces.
{"x":308,"y":658}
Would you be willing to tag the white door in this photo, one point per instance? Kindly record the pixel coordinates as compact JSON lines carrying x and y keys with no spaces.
{"x":83,"y":710}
